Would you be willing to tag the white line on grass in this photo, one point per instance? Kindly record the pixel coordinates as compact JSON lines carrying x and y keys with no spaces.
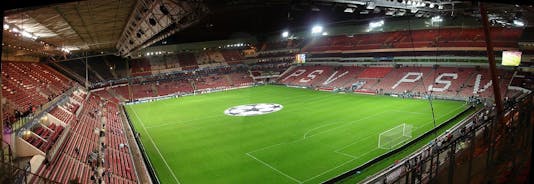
{"x":342,"y":164}
{"x":223,"y":115}
{"x":274,"y":169}
{"x":186,"y":121}
{"x":153,"y":143}
{"x":410,"y":112}
{"x":336,"y":151}
{"x":347,"y":123}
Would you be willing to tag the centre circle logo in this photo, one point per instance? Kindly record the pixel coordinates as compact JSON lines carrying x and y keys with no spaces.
{"x":253,"y":109}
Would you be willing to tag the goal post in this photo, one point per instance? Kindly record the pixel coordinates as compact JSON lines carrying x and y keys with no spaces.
{"x":395,"y":136}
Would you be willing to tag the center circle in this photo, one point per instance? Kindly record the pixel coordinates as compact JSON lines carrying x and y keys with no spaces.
{"x":253,"y":109}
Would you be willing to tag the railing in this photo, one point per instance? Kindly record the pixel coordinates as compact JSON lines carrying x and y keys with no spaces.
{"x":10,"y":173}
{"x":472,"y":152}
{"x":394,"y":151}
{"x":58,"y":144}
{"x":6,"y":152}
{"x":34,"y":119}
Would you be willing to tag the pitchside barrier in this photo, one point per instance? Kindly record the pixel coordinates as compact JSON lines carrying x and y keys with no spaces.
{"x":150,"y":168}
{"x":506,"y":145}
{"x":181,"y":94}
{"x":394,"y":151}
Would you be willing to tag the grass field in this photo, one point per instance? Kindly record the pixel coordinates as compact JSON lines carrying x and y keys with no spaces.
{"x":316,"y":136}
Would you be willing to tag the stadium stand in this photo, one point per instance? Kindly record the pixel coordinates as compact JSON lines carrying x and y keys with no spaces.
{"x":75,"y":162}
{"x":27,"y":86}
{"x":445,"y":81}
{"x":453,"y":38}
{"x":65,"y":84}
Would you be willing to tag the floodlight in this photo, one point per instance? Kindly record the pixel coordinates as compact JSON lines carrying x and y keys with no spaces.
{"x":348,"y":10}
{"x":371,"y":5}
{"x":26,"y":34}
{"x":436,"y":19}
{"x":376,"y":24}
{"x":15,"y":30}
{"x":317,"y":29}
{"x":6,"y":27}
{"x":325,"y":33}
{"x":519,"y":23}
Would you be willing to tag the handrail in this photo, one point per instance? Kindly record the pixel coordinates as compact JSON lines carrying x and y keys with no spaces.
{"x":45,"y":109}
{"x":14,"y":174}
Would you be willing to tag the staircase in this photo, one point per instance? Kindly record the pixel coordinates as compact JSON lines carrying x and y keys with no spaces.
{"x":229,"y":79}
{"x":121,"y":98}
{"x":154,"y":90}
{"x":193,"y":85}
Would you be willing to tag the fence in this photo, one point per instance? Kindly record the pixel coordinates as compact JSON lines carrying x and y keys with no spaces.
{"x":476,"y":151}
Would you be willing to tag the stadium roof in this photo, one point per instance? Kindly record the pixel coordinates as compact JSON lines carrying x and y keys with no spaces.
{"x":125,"y":26}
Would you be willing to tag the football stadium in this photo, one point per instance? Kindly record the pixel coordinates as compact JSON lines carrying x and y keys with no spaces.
{"x":273,"y":91}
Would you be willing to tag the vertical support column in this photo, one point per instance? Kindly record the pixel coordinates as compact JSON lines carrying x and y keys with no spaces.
{"x":86,"y":71}
{"x":452,"y":162}
{"x":431,"y":155}
{"x":128,"y":76}
{"x":1,"y":96}
{"x":437,"y":162}
{"x":472,"y":144}
{"x":492,"y":65}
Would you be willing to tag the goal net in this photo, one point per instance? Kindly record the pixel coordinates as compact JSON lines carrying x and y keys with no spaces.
{"x":395,"y":136}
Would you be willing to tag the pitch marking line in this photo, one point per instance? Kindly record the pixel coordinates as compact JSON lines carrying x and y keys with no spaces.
{"x":274,"y":169}
{"x":409,"y":112}
{"x":186,"y":122}
{"x":337,"y":127}
{"x":342,"y":164}
{"x":157,"y":149}
{"x":336,"y":151}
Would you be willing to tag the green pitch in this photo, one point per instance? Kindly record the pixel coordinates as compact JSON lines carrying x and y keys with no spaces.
{"x":316,"y":136}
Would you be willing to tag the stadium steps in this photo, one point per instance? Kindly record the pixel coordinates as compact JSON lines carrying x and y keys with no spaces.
{"x":121,"y":98}
{"x":154,"y":89}
{"x":229,"y":79}
{"x":193,"y":85}
{"x":465,"y":82}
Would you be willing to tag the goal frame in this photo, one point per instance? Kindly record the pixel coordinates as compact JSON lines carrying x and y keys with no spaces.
{"x":404,"y":134}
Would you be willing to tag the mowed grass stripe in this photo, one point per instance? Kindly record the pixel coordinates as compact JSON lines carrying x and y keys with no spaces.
{"x":303,"y":140}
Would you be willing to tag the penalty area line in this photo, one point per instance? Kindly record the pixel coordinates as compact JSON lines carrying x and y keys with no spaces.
{"x":157,"y":149}
{"x":273,"y":168}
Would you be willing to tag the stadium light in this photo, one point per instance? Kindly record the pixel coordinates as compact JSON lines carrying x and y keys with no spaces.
{"x":519,"y":23}
{"x":26,"y":34}
{"x":324,"y":33}
{"x":436,"y":19}
{"x":6,"y":27}
{"x":376,"y":24}
{"x":370,"y":6}
{"x":15,"y":30}
{"x":317,"y":29}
